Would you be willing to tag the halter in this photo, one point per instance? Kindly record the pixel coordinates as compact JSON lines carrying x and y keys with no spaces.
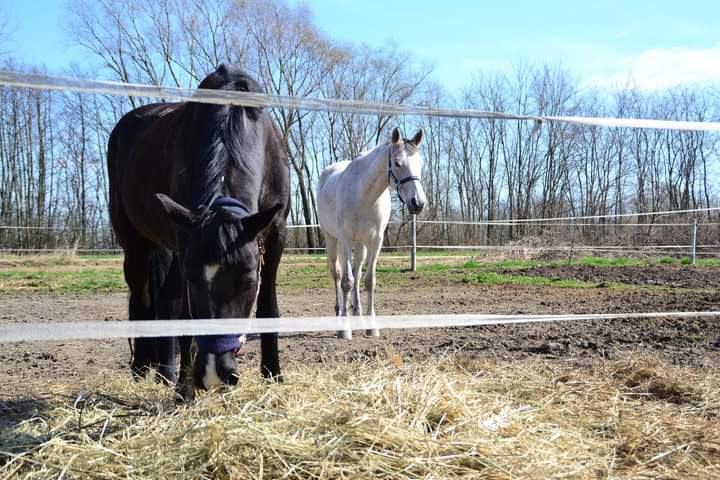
{"x":225,"y":343}
{"x":392,"y":176}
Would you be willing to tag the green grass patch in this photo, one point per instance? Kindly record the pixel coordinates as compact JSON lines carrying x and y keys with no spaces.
{"x":92,"y":273}
{"x":609,"y":262}
{"x":63,"y":280}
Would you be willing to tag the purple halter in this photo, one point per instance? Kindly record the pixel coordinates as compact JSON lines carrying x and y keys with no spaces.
{"x":219,"y":344}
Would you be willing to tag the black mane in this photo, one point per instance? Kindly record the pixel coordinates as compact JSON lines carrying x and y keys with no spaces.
{"x":226,"y":141}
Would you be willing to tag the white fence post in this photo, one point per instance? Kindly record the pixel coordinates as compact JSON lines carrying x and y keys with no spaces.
{"x":413,"y":240}
{"x":693,"y":241}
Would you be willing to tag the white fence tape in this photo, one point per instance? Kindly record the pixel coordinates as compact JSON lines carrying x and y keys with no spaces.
{"x":226,"y":97}
{"x":511,"y":221}
{"x":553,"y":220}
{"x":35,"y":332}
{"x":504,"y":222}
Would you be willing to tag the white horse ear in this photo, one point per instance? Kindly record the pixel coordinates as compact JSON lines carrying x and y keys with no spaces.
{"x":417,"y":139}
{"x":395,"y":136}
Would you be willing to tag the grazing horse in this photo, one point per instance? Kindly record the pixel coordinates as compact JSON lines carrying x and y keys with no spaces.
{"x":353,"y":203}
{"x":197,"y":193}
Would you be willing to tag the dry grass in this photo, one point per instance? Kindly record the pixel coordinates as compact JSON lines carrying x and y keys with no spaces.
{"x":457,"y":417}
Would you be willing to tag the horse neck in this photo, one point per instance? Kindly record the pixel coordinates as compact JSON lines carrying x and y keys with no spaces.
{"x":375,"y":175}
{"x":212,"y":172}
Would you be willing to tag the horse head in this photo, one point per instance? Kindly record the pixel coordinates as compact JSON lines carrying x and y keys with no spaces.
{"x":221,"y":259}
{"x":405,"y":169}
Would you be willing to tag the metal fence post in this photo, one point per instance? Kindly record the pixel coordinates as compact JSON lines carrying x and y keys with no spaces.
{"x":693,"y":241}
{"x":413,"y":240}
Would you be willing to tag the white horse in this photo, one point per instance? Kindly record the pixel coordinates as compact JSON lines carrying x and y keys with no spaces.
{"x":353,"y":203}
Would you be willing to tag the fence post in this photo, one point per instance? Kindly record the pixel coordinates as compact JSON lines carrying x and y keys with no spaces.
{"x":413,"y":241}
{"x":693,"y":241}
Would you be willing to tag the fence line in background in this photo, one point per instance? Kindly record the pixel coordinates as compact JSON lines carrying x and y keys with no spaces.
{"x":501,"y":222}
{"x":35,"y":332}
{"x":426,"y":222}
{"x":252,"y":99}
{"x":659,"y":249}
{"x":409,"y":246}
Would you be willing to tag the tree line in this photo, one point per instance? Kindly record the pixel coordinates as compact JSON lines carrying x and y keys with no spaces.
{"x":52,"y":144}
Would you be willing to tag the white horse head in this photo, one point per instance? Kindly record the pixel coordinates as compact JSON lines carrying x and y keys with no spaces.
{"x":405,"y":169}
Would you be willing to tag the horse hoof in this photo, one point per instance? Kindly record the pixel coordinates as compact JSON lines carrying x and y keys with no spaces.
{"x":184,"y":394}
{"x":344,"y":334}
{"x":373,"y":332}
{"x":275,"y":379}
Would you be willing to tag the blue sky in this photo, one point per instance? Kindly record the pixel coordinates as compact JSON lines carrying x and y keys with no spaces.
{"x":660,"y":43}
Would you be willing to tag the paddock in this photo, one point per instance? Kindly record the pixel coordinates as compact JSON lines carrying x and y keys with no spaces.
{"x":612,"y":398}
{"x":615,"y":398}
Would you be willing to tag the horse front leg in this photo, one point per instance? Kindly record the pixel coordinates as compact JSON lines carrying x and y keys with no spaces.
{"x":267,"y":306}
{"x":373,"y":253}
{"x":168,"y":298}
{"x":358,"y":261}
{"x":346,"y":283}
{"x":185,"y":388}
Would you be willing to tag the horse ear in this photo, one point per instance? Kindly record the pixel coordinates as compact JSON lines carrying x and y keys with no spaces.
{"x":417,"y":139}
{"x":396,"y":135}
{"x":255,"y":223}
{"x":180,"y":215}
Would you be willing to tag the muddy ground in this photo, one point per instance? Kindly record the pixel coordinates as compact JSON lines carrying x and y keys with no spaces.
{"x":673,"y":276}
{"x":33,"y":369}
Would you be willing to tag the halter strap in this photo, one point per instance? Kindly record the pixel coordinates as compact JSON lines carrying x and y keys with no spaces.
{"x":391,"y":175}
{"x":230,"y":204}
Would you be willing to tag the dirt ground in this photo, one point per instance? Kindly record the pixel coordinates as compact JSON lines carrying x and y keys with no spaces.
{"x":32,"y":369}
{"x":673,"y":276}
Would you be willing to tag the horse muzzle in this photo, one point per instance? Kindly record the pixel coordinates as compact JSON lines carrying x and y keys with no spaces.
{"x":415,"y":206}
{"x":215,"y":369}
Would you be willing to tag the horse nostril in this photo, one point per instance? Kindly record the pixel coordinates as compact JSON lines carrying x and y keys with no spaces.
{"x":417,"y":206}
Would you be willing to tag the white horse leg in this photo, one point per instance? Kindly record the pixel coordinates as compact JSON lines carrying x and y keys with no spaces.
{"x":346,"y":283}
{"x":358,"y":260}
{"x":373,"y":252}
{"x":334,"y":267}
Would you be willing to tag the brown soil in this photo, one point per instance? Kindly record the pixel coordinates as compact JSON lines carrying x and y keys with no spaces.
{"x":674,"y":276}
{"x":32,"y":369}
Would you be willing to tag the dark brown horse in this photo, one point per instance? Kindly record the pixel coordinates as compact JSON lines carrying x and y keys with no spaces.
{"x":196,"y":192}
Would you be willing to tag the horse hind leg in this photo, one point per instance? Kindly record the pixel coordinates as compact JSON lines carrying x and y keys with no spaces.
{"x":140,"y":308}
{"x":346,"y":284}
{"x":333,"y":267}
{"x":335,"y":272}
{"x":373,"y":253}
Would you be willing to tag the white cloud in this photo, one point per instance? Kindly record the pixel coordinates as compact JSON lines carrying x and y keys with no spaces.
{"x":622,"y":34}
{"x":660,"y":68}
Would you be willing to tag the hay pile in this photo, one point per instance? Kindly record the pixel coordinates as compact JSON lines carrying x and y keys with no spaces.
{"x":451,"y":418}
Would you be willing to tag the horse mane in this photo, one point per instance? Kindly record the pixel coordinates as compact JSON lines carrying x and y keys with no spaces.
{"x":223,"y":136}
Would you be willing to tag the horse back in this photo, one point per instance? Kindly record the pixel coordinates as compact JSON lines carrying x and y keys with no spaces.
{"x":138,"y":167}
